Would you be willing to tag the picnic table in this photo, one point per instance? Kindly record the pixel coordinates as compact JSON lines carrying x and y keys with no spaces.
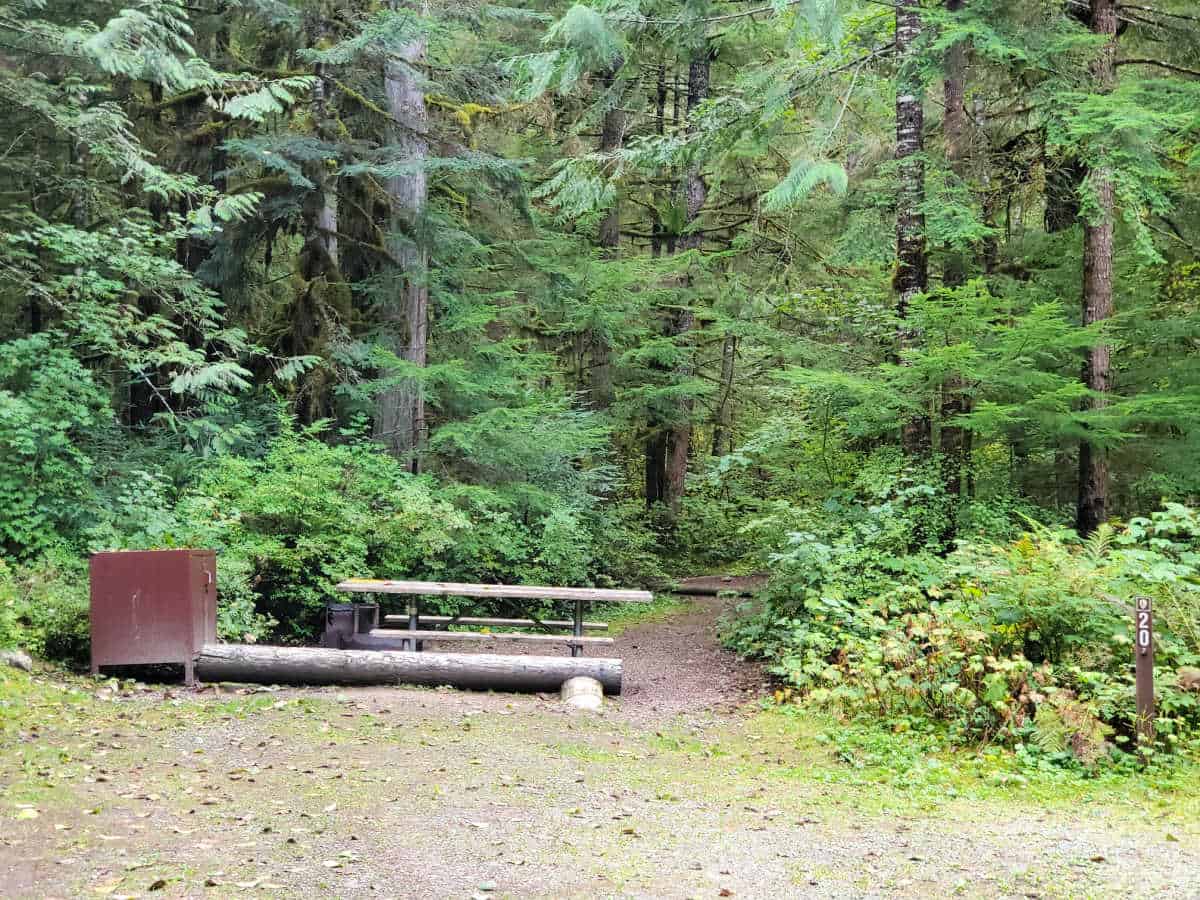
{"x":413,"y":633}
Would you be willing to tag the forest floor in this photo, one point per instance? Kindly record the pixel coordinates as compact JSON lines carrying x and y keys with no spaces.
{"x":687,"y":786}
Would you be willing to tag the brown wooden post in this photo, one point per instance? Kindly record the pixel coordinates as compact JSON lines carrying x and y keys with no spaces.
{"x":1143,"y":654}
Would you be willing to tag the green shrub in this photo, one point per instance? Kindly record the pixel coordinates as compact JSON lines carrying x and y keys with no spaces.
{"x":625,"y":549}
{"x":49,"y":407}
{"x":290,"y":526}
{"x":47,"y":608}
{"x":10,"y":634}
{"x":1026,"y":642}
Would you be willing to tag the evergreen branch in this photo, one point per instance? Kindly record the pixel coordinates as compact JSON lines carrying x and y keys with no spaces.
{"x":1159,"y":12}
{"x":1158,"y":63}
{"x":708,"y":20}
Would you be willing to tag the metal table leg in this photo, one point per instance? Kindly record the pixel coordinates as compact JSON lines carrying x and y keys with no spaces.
{"x":413,"y":623}
{"x":577,"y":649}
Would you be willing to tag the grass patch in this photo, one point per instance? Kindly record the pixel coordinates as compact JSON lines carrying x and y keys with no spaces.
{"x":896,"y":772}
{"x":621,"y":616}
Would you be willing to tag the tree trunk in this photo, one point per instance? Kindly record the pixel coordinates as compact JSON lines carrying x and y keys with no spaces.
{"x":911,"y":257}
{"x":1091,"y":509}
{"x":475,"y":671}
{"x":695,"y":193}
{"x":722,"y":433}
{"x":954,"y":130}
{"x":954,"y":446}
{"x":667,"y":454}
{"x":400,"y":411}
{"x":656,"y":468}
{"x":612,"y":137}
{"x":660,"y":106}
{"x":322,"y":297}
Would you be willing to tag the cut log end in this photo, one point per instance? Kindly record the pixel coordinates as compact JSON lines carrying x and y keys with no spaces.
{"x":582,"y":692}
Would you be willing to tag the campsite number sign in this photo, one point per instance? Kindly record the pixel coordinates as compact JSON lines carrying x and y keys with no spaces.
{"x":1143,"y":629}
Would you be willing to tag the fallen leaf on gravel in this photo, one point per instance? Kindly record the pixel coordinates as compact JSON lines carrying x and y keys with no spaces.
{"x":724,"y":892}
{"x":1098,"y":859}
{"x":1172,"y":838}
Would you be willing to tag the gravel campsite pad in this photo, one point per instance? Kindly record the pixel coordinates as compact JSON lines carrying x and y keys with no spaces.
{"x":685,"y":787}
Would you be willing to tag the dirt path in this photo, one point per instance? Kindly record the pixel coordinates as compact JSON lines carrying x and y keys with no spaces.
{"x":674,"y":666}
{"x":677,"y":667}
{"x":677,"y":790}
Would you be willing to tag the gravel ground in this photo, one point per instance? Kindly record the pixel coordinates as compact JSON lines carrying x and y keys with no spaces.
{"x":679,"y":789}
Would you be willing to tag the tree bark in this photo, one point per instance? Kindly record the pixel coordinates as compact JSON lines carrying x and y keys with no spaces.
{"x":695,"y":193}
{"x":612,"y":137}
{"x":722,"y":422}
{"x":400,"y":411}
{"x":322,"y":297}
{"x":912,"y":266}
{"x":1092,"y":504}
{"x":475,"y":671}
{"x":954,"y":444}
{"x":954,"y":130}
{"x":656,"y":468}
{"x":660,"y":105}
{"x":667,"y":454}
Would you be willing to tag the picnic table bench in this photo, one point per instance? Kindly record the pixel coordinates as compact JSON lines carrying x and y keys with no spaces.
{"x":412,"y":629}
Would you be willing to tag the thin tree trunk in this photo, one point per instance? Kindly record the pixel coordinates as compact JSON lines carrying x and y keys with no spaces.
{"x":400,"y":411}
{"x":1092,"y":506}
{"x":612,"y":137}
{"x":722,"y":432}
{"x":955,"y":458}
{"x":656,"y":466}
{"x":954,"y":130}
{"x":660,"y":104}
{"x":911,"y":256}
{"x":655,"y":446}
{"x":695,"y":193}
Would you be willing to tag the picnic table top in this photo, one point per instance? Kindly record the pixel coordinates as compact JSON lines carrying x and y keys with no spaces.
{"x":512,"y":591}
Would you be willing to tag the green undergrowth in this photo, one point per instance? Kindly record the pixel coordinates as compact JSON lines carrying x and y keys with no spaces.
{"x":897,"y":771}
{"x":621,"y":616}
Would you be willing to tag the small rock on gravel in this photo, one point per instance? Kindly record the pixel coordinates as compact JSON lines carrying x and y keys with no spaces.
{"x":17,"y":659}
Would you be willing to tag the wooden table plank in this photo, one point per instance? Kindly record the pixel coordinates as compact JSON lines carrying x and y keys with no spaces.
{"x":500,"y":623}
{"x":408,"y":634}
{"x":513,"y":592}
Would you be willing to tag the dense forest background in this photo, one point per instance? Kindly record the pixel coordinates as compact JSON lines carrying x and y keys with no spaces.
{"x":896,"y":300}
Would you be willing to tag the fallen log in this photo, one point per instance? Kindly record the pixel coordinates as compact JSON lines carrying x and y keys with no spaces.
{"x":476,"y":671}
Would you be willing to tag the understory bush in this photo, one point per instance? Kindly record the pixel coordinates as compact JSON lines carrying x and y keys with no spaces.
{"x":49,"y":405}
{"x":44,"y":607}
{"x":289,"y":526}
{"x":293,"y":516}
{"x":1026,"y":641}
